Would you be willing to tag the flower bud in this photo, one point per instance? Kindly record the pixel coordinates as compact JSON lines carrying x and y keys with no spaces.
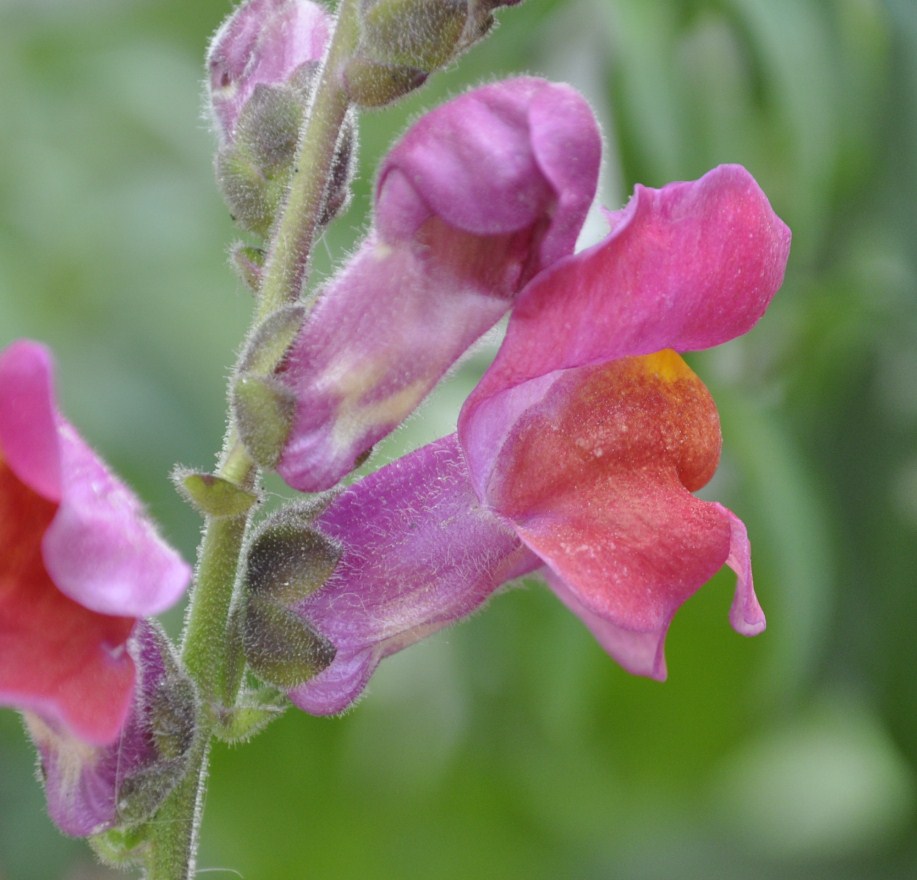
{"x":264,"y":42}
{"x":401,"y":43}
{"x":254,"y":169}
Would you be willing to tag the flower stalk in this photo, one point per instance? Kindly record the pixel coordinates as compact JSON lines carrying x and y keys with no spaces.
{"x":210,"y":649}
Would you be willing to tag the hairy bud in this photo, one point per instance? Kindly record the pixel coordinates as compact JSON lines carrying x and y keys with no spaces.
{"x":263,"y":42}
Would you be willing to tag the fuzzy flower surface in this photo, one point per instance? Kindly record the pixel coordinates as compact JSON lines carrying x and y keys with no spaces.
{"x":79,"y":563}
{"x":263,"y":43}
{"x":578,"y":453}
{"x":479,"y":196}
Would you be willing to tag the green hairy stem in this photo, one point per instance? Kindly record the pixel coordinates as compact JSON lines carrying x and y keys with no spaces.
{"x":210,"y":649}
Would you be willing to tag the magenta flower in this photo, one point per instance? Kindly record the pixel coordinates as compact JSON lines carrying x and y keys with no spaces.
{"x":79,"y":563}
{"x":91,"y":789}
{"x":263,"y":42}
{"x":480,"y":195}
{"x":577,"y":454}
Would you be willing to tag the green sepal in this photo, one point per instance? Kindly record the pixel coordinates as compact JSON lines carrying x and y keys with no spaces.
{"x":271,"y":339}
{"x":287,"y":560}
{"x":264,"y":411}
{"x":121,"y":847}
{"x":248,"y":263}
{"x":252,"y":713}
{"x":371,"y":83}
{"x":211,"y":495}
{"x":282,"y":649}
{"x":421,"y":34}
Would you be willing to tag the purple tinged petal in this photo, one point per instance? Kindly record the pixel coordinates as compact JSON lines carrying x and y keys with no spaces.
{"x":420,"y":552}
{"x":488,"y":162}
{"x":474,"y":201}
{"x":89,"y":788}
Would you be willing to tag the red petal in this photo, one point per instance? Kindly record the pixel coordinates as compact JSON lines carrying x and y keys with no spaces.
{"x":597,"y":477}
{"x":57,"y":658}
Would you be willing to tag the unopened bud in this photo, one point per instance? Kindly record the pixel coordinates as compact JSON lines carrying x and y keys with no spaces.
{"x":401,"y":43}
{"x":253,"y":170}
{"x":263,"y":42}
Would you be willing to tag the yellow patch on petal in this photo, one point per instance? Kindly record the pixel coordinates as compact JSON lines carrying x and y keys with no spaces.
{"x":355,"y":413}
{"x":634,"y":415}
{"x":73,"y":757}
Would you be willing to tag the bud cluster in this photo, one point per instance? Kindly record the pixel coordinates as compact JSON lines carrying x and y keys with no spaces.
{"x":263,"y":65}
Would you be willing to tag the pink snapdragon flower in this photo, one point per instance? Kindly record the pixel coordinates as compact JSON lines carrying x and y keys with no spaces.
{"x":479,"y":196}
{"x":576,"y":455}
{"x":263,"y":42}
{"x":79,"y":564}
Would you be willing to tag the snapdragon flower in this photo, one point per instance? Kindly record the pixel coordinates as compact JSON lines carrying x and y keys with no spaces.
{"x":80,"y":564}
{"x":577,"y":454}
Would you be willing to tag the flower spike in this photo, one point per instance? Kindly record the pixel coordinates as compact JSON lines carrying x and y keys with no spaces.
{"x":578,"y":453}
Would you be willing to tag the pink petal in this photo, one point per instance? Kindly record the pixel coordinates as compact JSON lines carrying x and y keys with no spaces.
{"x":28,"y":417}
{"x":628,"y":554}
{"x":481,"y":194}
{"x":596,"y":476}
{"x":79,"y":562}
{"x":686,"y":267}
{"x":419,"y":554}
{"x":101,"y":549}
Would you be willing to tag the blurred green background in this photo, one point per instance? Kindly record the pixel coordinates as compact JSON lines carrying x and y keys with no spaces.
{"x":510,"y":746}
